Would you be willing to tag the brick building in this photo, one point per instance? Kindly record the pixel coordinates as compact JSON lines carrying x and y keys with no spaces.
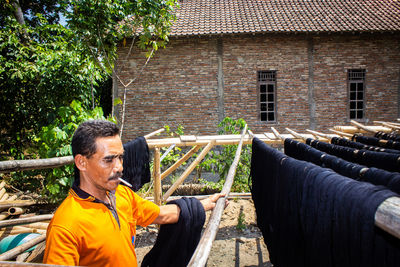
{"x":282,"y":63}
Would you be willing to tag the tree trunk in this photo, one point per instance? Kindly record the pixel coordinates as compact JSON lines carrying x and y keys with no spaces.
{"x":18,"y":12}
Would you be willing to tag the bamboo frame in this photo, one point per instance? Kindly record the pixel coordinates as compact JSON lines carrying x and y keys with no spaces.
{"x":150,"y":135}
{"x":203,"y":249}
{"x":277,"y":134}
{"x":157,"y":177}
{"x":188,"y":170}
{"x":295,"y":134}
{"x":179,"y":162}
{"x":327,"y":137}
{"x":389,"y":125}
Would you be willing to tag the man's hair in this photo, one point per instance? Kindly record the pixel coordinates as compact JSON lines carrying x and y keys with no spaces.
{"x":84,"y":139}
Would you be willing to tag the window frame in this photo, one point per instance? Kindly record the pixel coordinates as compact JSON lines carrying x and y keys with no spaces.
{"x":267,"y":82}
{"x":353,"y":79}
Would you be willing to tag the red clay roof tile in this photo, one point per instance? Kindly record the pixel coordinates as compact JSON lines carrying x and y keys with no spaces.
{"x":199,"y":17}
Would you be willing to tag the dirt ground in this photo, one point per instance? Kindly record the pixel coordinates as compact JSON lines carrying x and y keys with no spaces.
{"x":232,"y":246}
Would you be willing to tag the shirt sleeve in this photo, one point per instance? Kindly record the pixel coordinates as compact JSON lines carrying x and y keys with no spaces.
{"x":145,"y":211}
{"x":61,"y":247}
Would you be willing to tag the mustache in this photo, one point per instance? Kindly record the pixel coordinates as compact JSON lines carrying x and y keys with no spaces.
{"x":116,"y":176}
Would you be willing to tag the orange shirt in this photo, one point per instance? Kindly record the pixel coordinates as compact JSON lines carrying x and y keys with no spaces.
{"x":85,"y":232}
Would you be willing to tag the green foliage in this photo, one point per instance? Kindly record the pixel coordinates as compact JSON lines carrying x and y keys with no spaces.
{"x":220,"y":161}
{"x":241,"y":222}
{"x":40,"y":69}
{"x":102,"y":24}
{"x":54,"y":140}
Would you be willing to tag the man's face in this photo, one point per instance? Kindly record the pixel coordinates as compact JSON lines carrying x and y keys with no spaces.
{"x":105,"y":166}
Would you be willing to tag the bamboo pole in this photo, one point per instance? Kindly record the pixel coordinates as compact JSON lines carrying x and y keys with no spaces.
{"x":12,"y":198}
{"x":295,"y":134}
{"x":16,"y":203}
{"x":324,"y":136}
{"x":157,"y":177}
{"x":4,"y":215}
{"x":188,"y":170}
{"x":14,"y":230}
{"x":15,"y":211}
{"x":18,"y":250}
{"x":387,"y":216}
{"x":179,"y":162}
{"x":147,"y":136}
{"x":38,"y":253}
{"x":200,"y":197}
{"x":203,"y":249}
{"x":21,"y":165}
{"x":389,"y":125}
{"x":277,"y":134}
{"x":25,"y":220}
{"x":22,"y":257}
{"x":365,"y":128}
{"x":38,"y":225}
{"x":2,"y":184}
{"x":4,"y":197}
{"x":341,"y":133}
{"x":2,"y":192}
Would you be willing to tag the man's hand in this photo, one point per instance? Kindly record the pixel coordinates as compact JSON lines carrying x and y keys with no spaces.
{"x":210,"y":202}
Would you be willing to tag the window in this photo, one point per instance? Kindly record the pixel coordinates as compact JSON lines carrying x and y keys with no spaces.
{"x":267,"y":95}
{"x":356,"y":79}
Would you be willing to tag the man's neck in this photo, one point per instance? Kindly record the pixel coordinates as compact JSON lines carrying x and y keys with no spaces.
{"x":94,"y":191}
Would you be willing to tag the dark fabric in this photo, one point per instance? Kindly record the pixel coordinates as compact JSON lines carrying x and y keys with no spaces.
{"x":352,"y":170}
{"x":369,"y":140}
{"x":312,"y":216}
{"x":136,"y":163}
{"x":381,"y":160}
{"x":177,"y":242}
{"x":388,"y":136}
{"x":349,"y":143}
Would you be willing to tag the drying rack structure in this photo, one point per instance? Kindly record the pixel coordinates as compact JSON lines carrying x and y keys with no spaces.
{"x":387,"y":216}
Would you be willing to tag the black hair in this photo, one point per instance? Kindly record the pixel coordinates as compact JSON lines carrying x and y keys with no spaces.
{"x":84,"y":139}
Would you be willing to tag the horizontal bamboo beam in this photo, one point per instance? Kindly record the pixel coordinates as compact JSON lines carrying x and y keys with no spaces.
{"x":24,"y":264}
{"x":203,"y":249}
{"x":327,"y":137}
{"x":16,"y":203}
{"x":23,"y":165}
{"x":200,"y":197}
{"x":188,"y":170}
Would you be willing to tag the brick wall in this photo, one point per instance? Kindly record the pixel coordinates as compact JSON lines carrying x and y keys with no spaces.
{"x":180,"y":83}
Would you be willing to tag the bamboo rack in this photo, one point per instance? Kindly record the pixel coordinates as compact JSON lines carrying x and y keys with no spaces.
{"x":203,"y":249}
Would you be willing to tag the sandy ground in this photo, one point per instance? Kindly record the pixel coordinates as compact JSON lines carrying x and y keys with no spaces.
{"x":232,"y":246}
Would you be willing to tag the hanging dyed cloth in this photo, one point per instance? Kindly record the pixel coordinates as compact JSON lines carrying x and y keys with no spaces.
{"x":136,"y":163}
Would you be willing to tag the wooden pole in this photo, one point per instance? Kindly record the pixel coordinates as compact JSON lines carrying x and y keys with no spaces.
{"x":38,"y":253}
{"x":360,"y":126}
{"x":20,"y":249}
{"x":295,"y":134}
{"x":157,"y":177}
{"x":16,"y":203}
{"x":325,"y":136}
{"x":25,"y":220}
{"x":23,"y":165}
{"x":341,"y":133}
{"x":147,"y":136}
{"x":387,"y":216}
{"x":277,"y":134}
{"x":203,"y":249}
{"x":179,"y":162}
{"x":15,"y":211}
{"x":188,"y":170}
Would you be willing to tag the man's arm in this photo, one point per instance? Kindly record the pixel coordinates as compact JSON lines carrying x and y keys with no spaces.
{"x":170,"y":213}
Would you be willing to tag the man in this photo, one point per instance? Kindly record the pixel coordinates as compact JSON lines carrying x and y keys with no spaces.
{"x":96,"y":224}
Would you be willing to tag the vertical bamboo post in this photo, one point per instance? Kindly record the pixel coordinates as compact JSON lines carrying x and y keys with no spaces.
{"x":157,"y":177}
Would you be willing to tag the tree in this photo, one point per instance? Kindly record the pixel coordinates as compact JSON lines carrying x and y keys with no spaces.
{"x":44,"y":65}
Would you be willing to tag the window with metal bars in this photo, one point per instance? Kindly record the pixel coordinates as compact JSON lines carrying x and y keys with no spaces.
{"x":356,"y":80}
{"x":267,"y":95}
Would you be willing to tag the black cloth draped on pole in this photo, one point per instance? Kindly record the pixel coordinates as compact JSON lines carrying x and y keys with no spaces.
{"x":312,"y":216}
{"x":136,"y":163}
{"x":388,"y":136}
{"x":301,"y":151}
{"x":373,"y":141}
{"x":349,"y":143}
{"x":177,"y":242}
{"x":381,"y":160}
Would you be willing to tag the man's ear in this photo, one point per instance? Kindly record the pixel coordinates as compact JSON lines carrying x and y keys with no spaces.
{"x":80,"y":162}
